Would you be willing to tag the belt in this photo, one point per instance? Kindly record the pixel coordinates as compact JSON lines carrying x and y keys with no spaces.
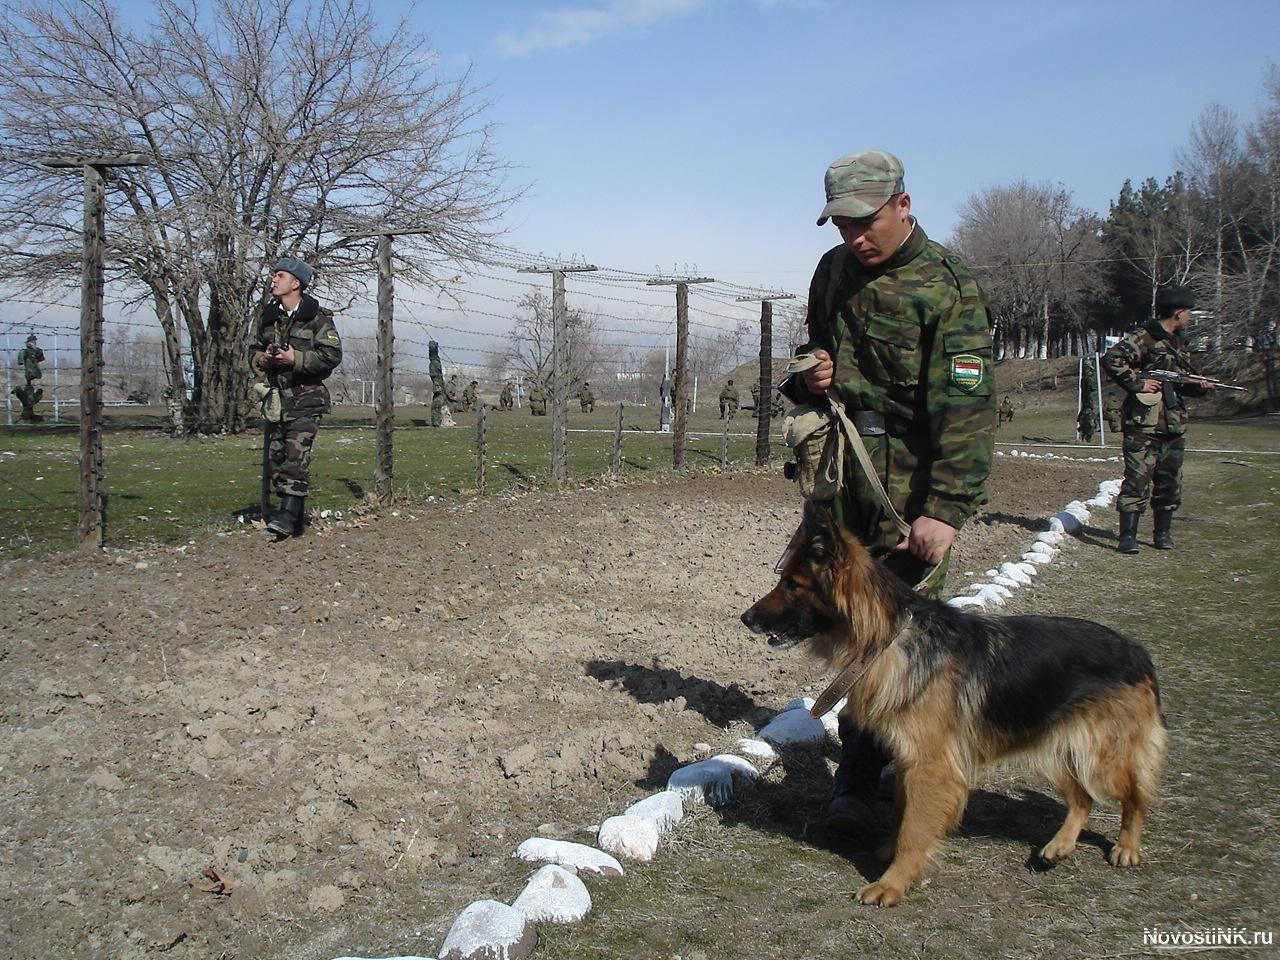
{"x":870,"y":423}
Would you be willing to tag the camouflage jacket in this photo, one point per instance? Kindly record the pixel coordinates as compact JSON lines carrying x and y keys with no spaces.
{"x":1151,"y":347}
{"x":469,"y":395}
{"x":30,"y":358}
{"x":911,"y":339}
{"x":317,"y":351}
{"x":451,"y":391}
{"x":585,"y":394}
{"x":508,"y":393}
{"x":729,"y":394}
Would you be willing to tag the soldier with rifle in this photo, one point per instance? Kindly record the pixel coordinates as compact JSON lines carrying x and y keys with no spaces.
{"x":1154,"y":416}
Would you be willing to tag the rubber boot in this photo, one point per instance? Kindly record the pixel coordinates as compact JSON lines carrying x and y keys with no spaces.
{"x":285,"y":521}
{"x":1128,"y":531}
{"x":1164,"y":530}
{"x":853,"y":794}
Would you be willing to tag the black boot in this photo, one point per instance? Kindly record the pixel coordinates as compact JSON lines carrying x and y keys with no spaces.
{"x":1128,"y":531}
{"x":285,"y":521}
{"x":1164,"y":531}
{"x":853,"y":794}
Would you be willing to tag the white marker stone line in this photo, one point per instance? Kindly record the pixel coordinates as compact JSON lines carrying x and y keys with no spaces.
{"x":1011,"y":576}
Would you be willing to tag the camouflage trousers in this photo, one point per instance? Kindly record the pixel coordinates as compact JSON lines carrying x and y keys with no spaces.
{"x":1151,"y":460}
{"x":858,"y":508}
{"x":290,"y":455}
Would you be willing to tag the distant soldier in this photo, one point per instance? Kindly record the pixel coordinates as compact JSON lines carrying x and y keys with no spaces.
{"x":437,"y":384}
{"x":1086,"y":424}
{"x":453,"y":392}
{"x":586,"y":398}
{"x":1006,"y":410}
{"x":28,"y":393}
{"x":755,"y":398}
{"x":507,"y":398}
{"x":297,"y":348}
{"x":29,"y":358}
{"x":776,"y":407}
{"x":470,"y":395}
{"x":728,"y":401}
{"x":537,"y":400}
{"x":1154,"y":415}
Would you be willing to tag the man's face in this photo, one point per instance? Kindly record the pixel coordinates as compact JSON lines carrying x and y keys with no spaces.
{"x":876,"y":238}
{"x":283,"y":282}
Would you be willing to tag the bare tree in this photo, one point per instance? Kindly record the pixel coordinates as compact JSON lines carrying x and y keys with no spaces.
{"x":271,"y":126}
{"x":1032,"y":251}
{"x":531,"y":340}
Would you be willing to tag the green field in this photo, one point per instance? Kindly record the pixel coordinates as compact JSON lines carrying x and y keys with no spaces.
{"x":162,"y":490}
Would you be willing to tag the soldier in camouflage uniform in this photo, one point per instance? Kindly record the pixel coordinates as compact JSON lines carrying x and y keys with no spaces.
{"x":507,"y":398}
{"x":437,"y":383}
{"x":29,"y":358}
{"x":1111,"y":410}
{"x":1154,"y":416}
{"x":453,"y":393}
{"x":586,"y":399}
{"x":537,"y":400}
{"x":728,"y":401}
{"x":470,"y":395}
{"x":297,"y":348}
{"x":755,"y":399}
{"x":903,"y":338}
{"x":1006,"y":410}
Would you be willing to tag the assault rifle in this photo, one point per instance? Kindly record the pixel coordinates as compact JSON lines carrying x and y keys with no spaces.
{"x":1172,"y":376}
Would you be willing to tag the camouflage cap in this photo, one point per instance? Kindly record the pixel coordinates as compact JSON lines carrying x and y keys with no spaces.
{"x":858,"y":184}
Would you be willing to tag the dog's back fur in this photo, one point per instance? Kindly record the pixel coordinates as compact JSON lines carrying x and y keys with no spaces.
{"x":948,"y":692}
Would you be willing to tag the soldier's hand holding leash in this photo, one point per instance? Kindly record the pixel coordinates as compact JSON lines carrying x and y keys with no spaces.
{"x":929,"y":539}
{"x":821,"y":376}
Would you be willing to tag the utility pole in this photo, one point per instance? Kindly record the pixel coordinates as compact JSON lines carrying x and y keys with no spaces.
{"x":681,"y":392}
{"x":89,"y":527}
{"x":559,"y":363}
{"x":384,"y":398}
{"x":764,"y":405}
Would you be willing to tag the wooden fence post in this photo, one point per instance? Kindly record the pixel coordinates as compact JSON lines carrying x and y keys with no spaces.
{"x":616,"y":464}
{"x":480,"y":451}
{"x":724,"y":439}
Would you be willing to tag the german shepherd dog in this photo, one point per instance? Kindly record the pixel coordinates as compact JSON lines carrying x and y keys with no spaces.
{"x":947,"y":692}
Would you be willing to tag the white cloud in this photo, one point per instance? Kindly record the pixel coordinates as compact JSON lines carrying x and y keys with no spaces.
{"x":571,"y":27}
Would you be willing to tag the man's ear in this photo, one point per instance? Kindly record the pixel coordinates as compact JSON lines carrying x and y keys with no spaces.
{"x":821,"y":537}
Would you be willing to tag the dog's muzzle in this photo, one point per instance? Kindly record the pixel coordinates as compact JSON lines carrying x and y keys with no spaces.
{"x":779,"y":641}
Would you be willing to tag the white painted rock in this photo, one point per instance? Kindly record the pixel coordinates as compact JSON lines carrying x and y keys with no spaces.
{"x":800,"y":703}
{"x":664,"y":810}
{"x":1011,"y":571}
{"x":554,"y":895}
{"x":991,"y":595}
{"x":966,"y":602}
{"x":489,"y":930}
{"x":1037,"y":558}
{"x":711,"y":781}
{"x":793,"y":726}
{"x":632,"y":837}
{"x":757,"y":748}
{"x":1005,"y":582}
{"x":1039,"y":546}
{"x":579,"y":856}
{"x":1051,"y":537}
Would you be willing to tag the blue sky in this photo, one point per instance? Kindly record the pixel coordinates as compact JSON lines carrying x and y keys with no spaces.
{"x":660,"y":132}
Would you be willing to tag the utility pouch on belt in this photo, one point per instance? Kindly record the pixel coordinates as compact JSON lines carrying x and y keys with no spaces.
{"x":1146,"y":411}
{"x":271,"y":402}
{"x":812,"y":433}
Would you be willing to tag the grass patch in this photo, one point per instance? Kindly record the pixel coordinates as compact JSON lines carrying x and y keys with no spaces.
{"x":162,"y":490}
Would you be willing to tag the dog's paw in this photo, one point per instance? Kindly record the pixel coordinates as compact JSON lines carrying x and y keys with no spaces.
{"x":1056,"y":850}
{"x":879,"y":895}
{"x":1121,"y":856}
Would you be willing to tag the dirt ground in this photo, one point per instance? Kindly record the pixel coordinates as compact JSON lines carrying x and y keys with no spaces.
{"x":325,"y":748}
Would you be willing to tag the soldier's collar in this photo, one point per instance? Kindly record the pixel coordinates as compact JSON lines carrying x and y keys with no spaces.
{"x":910,"y":248}
{"x":1157,"y":330}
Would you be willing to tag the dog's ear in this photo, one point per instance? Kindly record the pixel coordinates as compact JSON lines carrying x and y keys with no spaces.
{"x":820,"y":531}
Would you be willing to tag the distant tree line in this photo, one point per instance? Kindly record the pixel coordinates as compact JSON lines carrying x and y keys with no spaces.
{"x":1060,"y":278}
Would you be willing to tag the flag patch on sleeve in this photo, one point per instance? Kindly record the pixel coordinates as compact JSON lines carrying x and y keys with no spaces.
{"x":966,"y":371}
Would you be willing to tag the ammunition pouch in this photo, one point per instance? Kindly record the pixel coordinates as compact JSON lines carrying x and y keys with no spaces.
{"x":271,"y":402}
{"x":819,"y":449}
{"x":1145,"y":409}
